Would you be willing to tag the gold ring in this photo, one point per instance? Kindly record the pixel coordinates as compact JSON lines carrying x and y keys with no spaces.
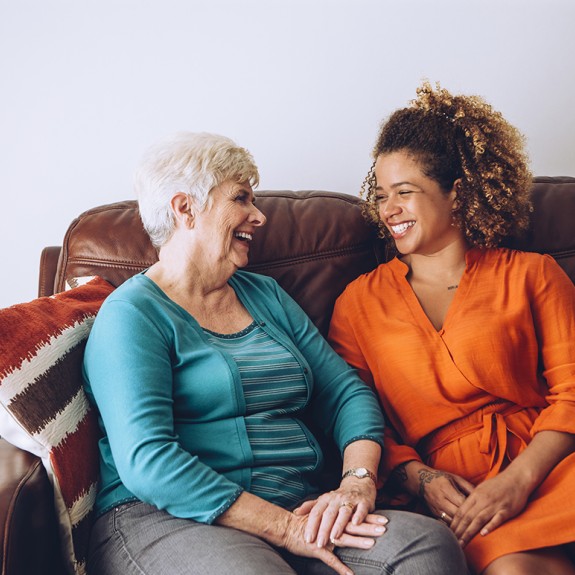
{"x":443,"y":516}
{"x":348,"y":504}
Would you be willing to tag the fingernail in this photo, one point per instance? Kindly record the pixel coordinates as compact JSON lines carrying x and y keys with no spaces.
{"x":369,"y":543}
{"x":380,"y":529}
{"x":383,"y":520}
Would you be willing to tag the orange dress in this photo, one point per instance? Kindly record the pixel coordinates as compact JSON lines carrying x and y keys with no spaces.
{"x":469,"y":397}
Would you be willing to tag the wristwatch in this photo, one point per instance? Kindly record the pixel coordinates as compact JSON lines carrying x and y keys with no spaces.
{"x":360,"y":473}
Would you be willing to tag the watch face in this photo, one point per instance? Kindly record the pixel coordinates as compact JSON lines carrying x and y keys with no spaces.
{"x":361,"y":472}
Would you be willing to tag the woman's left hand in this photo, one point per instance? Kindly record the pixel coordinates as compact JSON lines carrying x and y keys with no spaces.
{"x":344,"y":510}
{"x":489,"y":505}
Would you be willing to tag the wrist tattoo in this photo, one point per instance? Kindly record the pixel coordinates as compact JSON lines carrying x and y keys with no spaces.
{"x":425,"y":477}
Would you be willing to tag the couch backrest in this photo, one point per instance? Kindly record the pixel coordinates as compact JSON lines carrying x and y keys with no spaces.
{"x":553,"y":221}
{"x":313,"y":244}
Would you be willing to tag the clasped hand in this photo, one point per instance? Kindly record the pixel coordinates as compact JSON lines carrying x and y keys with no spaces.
{"x":470,"y":510}
{"x":339,"y":518}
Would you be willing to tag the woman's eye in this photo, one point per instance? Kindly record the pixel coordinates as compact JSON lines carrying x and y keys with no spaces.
{"x":404,"y":192}
{"x":379,"y":199}
{"x":242,"y":198}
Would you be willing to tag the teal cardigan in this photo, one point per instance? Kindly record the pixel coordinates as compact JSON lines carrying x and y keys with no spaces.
{"x":171,"y":406}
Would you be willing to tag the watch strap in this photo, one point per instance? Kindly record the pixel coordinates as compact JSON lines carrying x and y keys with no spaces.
{"x":361,"y":473}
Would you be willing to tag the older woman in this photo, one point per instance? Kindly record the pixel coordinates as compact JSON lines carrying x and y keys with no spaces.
{"x":470,"y":346}
{"x":200,"y":373}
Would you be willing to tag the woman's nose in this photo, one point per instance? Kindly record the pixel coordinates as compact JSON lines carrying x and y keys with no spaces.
{"x":390,"y":207}
{"x":257,"y":217}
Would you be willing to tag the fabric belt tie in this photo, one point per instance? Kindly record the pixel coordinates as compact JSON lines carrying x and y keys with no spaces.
{"x":494,"y":437}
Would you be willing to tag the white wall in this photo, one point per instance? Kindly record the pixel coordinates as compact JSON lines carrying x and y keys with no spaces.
{"x":87,"y":85}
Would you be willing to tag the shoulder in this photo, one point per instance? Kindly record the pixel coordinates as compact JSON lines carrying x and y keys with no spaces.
{"x":137,"y":300}
{"x":375,"y":280}
{"x":524,"y":268}
{"x":137,"y":290}
{"x":515,"y":259}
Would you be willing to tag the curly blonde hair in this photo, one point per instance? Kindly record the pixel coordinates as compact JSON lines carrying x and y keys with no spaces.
{"x":461,"y":138}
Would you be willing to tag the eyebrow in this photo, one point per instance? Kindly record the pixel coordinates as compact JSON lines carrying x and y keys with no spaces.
{"x":397,"y":185}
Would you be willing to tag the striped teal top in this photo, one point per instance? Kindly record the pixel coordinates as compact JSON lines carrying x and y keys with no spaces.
{"x":274,"y":387}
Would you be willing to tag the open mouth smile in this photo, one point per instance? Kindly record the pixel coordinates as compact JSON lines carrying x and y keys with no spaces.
{"x":400,"y":229}
{"x":243,"y":236}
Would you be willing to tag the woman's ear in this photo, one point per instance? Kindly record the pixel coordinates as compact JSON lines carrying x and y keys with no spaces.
{"x":453,"y":193}
{"x":183,"y":208}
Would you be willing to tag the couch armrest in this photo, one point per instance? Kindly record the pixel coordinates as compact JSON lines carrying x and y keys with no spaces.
{"x":48,"y":265}
{"x":29,"y":542}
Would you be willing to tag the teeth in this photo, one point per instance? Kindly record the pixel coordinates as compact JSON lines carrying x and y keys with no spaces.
{"x":243,"y":236}
{"x":400,"y":228}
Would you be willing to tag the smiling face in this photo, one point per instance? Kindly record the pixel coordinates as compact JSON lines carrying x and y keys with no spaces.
{"x":226,"y":227}
{"x":413,"y":207}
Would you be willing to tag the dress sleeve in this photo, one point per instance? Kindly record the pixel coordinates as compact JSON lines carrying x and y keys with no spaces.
{"x":342,"y":337}
{"x":553,"y":309}
{"x":128,"y":369}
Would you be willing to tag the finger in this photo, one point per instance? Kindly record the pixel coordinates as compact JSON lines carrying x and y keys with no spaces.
{"x":466,"y":487}
{"x":366,"y":529}
{"x":361,"y":511}
{"x":445,"y":517}
{"x":332,"y":560}
{"x":334,"y":520}
{"x":314,"y":520}
{"x":305,"y":507}
{"x":358,"y":542}
{"x":497,"y":520}
{"x":331,"y":524}
{"x":483,"y":524}
{"x":456,"y":499}
{"x":370,"y":526}
{"x":467,"y":529}
{"x":375,"y":519}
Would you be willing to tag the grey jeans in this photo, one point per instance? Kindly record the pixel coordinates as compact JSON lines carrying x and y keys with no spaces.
{"x":138,"y":539}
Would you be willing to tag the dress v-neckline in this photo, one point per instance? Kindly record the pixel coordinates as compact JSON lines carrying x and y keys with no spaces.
{"x":414,"y":304}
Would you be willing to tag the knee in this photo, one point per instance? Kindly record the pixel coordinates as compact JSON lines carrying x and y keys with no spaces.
{"x":436,"y":535}
{"x":426,"y":546}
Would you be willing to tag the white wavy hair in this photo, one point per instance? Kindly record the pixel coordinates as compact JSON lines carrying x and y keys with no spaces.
{"x":188,"y":162}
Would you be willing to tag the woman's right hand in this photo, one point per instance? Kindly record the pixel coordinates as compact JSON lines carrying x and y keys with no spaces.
{"x":442,"y":492}
{"x":360,"y":536}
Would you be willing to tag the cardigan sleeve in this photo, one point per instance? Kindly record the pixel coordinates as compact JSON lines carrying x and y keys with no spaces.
{"x":128,"y":369}
{"x":553,"y":309}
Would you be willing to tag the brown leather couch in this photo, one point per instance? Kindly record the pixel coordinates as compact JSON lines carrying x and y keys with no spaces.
{"x":314,"y":243}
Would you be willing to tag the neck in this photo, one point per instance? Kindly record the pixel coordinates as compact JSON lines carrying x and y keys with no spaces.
{"x":183,"y":275}
{"x":442,"y":268}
